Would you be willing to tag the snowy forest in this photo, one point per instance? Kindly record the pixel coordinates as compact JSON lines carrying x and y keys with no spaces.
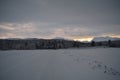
{"x":34,"y":43}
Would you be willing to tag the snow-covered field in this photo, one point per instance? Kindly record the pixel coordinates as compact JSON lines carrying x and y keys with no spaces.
{"x":62,"y":64}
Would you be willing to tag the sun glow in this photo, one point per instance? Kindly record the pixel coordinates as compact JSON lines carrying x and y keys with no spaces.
{"x":83,"y":39}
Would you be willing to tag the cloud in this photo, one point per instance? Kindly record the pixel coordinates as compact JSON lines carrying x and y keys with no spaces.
{"x":59,"y":18}
{"x":49,"y":30}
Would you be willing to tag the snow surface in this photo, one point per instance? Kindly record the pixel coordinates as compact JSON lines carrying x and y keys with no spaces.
{"x":62,"y":64}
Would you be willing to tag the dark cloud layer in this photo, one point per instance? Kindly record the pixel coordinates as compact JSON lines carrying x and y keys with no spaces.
{"x":52,"y":18}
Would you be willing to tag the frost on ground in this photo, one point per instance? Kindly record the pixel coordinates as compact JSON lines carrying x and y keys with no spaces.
{"x":61,"y":64}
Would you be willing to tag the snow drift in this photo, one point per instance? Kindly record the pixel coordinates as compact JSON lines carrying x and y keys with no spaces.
{"x":62,"y":64}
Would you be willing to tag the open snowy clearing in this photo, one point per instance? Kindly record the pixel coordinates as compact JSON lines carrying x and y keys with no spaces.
{"x":61,"y":64}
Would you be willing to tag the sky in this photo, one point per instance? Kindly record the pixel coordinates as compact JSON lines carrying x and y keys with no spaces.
{"x":70,"y":19}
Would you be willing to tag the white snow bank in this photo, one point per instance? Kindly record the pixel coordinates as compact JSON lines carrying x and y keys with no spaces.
{"x":62,"y":64}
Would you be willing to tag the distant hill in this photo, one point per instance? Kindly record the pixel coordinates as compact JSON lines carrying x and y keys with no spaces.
{"x":98,"y":39}
{"x":58,"y":38}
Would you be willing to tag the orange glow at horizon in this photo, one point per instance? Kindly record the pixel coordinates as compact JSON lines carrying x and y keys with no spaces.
{"x":83,"y":39}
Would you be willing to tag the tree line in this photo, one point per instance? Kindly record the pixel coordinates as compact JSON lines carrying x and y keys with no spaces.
{"x":22,"y":44}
